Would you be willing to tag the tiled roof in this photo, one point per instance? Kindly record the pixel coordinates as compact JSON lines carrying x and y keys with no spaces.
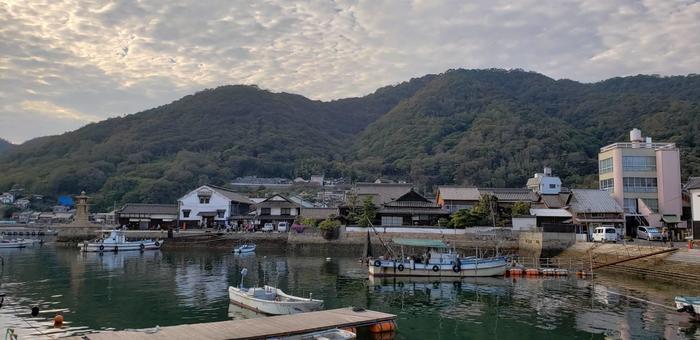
{"x":382,"y":192}
{"x":456,"y":193}
{"x":413,"y":211}
{"x":693,"y":183}
{"x":593,"y":201}
{"x":510,"y":194}
{"x":153,"y":209}
{"x":230,"y":194}
{"x":319,"y":213}
{"x":550,"y":213}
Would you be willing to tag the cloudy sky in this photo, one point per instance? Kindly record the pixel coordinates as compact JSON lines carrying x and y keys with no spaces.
{"x":66,"y":63}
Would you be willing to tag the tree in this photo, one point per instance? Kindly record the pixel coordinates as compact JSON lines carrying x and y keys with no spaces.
{"x":368,"y":214}
{"x":329,"y":225}
{"x":466,"y":218}
{"x":520,"y":208}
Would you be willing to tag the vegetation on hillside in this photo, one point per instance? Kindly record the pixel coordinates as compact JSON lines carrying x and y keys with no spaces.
{"x":482,"y":127}
{"x":4,"y":145}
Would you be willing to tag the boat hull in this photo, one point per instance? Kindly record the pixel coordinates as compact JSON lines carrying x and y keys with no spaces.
{"x":13,"y":245}
{"x":129,"y":246}
{"x":244,"y":250}
{"x":480,"y":269}
{"x":239,"y":298}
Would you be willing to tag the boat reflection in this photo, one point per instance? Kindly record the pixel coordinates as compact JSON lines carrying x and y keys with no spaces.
{"x":440,"y":288}
{"x":118,"y":260}
{"x":236,"y":312}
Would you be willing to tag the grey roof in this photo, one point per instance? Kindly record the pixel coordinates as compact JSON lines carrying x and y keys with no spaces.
{"x":270,"y":202}
{"x":232,"y":195}
{"x":319,"y":213}
{"x":693,"y":183}
{"x":382,"y":192}
{"x":593,"y":201}
{"x":457,"y":193}
{"x":510,"y":194}
{"x":148,"y":209}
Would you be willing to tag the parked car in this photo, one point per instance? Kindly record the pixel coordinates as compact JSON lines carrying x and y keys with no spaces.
{"x":268,"y":227}
{"x":282,"y":227}
{"x":605,"y":234}
{"x":649,"y":233}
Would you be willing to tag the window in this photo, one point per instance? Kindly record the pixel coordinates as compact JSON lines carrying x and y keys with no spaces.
{"x":392,"y":220}
{"x":652,"y":204}
{"x":605,"y":165}
{"x":552,"y":186}
{"x":286,"y":211}
{"x":607,"y":184}
{"x":264,"y":211}
{"x":639,"y":184}
{"x":639,"y":163}
{"x":631,"y":205}
{"x":204,"y":199}
{"x":220,"y":213}
{"x":186,"y":213}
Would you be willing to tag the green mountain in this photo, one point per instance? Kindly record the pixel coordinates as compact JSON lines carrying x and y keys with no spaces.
{"x":483,"y":127}
{"x":4,"y":145}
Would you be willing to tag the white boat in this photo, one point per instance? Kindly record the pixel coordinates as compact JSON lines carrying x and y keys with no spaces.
{"x":117,"y":242}
{"x":331,"y":334}
{"x":12,"y":244}
{"x":246,"y":248}
{"x":689,"y":304}
{"x":272,"y":301}
{"x":438,"y":263}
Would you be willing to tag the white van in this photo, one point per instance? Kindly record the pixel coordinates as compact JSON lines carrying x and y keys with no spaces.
{"x":282,"y":227}
{"x":605,"y":234}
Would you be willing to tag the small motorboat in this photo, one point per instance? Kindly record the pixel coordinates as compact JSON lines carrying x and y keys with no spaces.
{"x":243,"y":249}
{"x":272,"y":301}
{"x":117,"y":242}
{"x":12,"y":244}
{"x":690,"y":305}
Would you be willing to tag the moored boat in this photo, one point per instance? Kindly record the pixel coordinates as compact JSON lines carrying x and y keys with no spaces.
{"x":12,"y":244}
{"x":117,"y":242}
{"x":272,"y":301}
{"x":244,"y":249}
{"x":439,"y":261}
{"x":688,"y":304}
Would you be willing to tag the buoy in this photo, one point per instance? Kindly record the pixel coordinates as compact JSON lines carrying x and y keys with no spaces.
{"x":532,"y":272}
{"x":350,"y":329}
{"x":58,"y":321}
{"x":35,"y":311}
{"x":328,"y":259}
{"x":515,"y":272}
{"x":382,"y":327}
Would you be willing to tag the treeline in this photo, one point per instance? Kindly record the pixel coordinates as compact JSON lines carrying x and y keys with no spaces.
{"x":482,"y":127}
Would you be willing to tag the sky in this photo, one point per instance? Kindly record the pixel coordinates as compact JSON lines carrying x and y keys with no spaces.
{"x":64,"y":64}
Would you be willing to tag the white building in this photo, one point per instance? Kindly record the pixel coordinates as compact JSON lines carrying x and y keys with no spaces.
{"x":276,"y":209}
{"x":22,"y":203}
{"x":693,"y":188}
{"x":7,"y":198}
{"x":544,"y":183}
{"x":211,"y":206}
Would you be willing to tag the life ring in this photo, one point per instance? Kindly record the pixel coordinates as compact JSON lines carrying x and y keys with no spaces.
{"x":400,"y":267}
{"x":436,"y":268}
{"x":102,"y":247}
{"x":456,"y":268}
{"x":142,"y":246}
{"x":157,"y":243}
{"x":377,"y":263}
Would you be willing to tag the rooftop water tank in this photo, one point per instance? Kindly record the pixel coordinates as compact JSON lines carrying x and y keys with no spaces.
{"x":636,"y":135}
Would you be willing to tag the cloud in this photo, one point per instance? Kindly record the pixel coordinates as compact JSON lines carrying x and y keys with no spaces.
{"x":101,"y":58}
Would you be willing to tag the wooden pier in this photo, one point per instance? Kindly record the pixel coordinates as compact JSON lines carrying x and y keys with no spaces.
{"x":258,"y":328}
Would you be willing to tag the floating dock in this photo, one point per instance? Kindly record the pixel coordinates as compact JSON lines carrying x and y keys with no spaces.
{"x":258,"y":328}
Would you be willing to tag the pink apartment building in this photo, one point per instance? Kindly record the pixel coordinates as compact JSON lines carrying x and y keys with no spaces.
{"x":645,"y":179}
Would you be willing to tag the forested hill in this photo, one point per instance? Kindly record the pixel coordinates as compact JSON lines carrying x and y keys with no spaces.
{"x":4,"y":145}
{"x":483,"y":127}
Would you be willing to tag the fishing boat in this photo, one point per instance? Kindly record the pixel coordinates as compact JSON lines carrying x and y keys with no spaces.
{"x":690,"y":305}
{"x":117,"y":242}
{"x":439,"y":261}
{"x":244,"y":249}
{"x":272,"y":301}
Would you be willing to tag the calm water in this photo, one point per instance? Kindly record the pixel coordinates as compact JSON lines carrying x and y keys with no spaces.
{"x":134,"y":290}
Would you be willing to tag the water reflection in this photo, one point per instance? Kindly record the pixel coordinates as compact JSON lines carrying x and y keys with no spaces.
{"x":141,"y":290}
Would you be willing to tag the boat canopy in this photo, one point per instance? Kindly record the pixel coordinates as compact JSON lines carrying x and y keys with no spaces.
{"x":420,"y":243}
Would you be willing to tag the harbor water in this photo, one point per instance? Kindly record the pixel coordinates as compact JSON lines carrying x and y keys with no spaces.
{"x":133,"y":290}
